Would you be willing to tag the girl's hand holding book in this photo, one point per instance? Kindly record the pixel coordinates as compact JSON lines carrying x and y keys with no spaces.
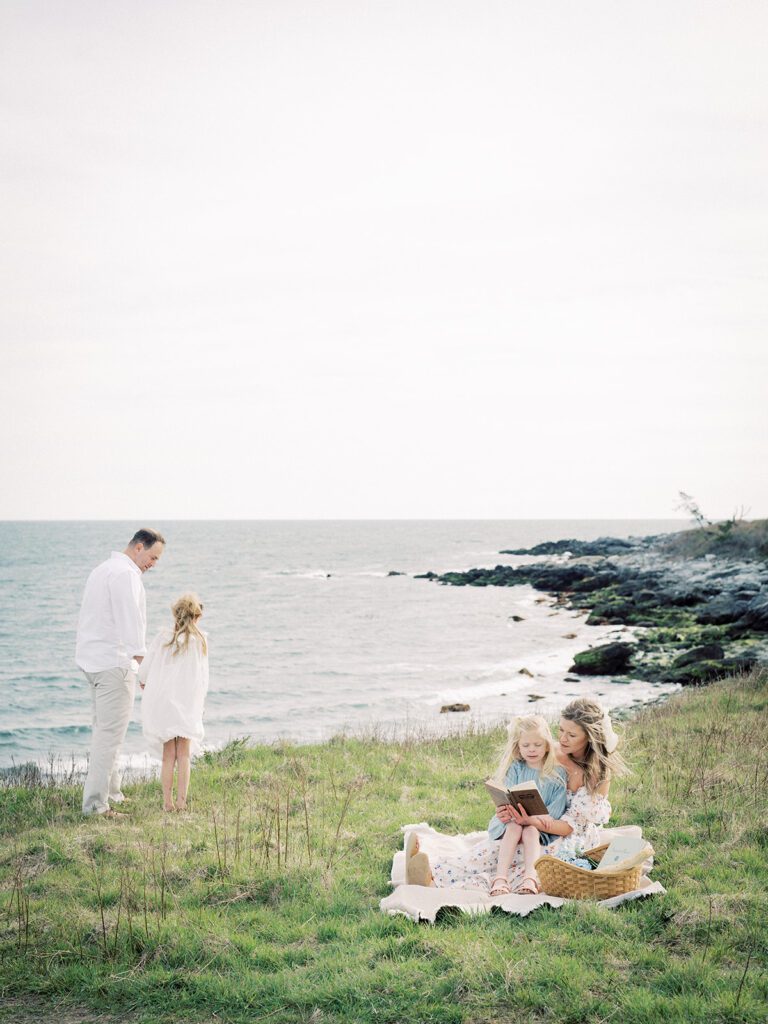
{"x":520,"y":817}
{"x":505,"y":812}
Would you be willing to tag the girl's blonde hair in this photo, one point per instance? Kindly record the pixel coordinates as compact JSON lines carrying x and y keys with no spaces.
{"x":515,"y":729}
{"x":186,"y":611}
{"x":597,"y":763}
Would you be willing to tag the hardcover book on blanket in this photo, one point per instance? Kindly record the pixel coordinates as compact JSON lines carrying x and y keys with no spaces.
{"x":423,"y":903}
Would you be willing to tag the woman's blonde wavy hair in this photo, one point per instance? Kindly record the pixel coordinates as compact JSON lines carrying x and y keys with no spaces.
{"x":515,"y":730}
{"x":597,"y":764}
{"x":186,"y":611}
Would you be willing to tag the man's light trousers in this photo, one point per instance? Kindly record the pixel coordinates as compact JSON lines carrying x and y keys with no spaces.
{"x":112,"y":691}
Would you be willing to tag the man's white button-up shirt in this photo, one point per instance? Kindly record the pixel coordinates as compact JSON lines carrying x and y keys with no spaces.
{"x":112,"y":628}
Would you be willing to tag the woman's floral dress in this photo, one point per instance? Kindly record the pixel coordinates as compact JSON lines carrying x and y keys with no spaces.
{"x":586,"y":813}
{"x":476,"y":869}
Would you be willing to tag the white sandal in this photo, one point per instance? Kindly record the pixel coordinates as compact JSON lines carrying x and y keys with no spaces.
{"x":500,"y":886}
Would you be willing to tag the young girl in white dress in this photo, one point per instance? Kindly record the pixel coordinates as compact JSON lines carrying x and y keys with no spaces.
{"x":174,"y":678}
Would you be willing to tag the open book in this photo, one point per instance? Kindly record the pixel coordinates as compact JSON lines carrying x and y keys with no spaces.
{"x":525,"y":793}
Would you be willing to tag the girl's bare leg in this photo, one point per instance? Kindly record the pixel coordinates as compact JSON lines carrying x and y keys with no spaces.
{"x":166,"y":773}
{"x":507,"y":846}
{"x":531,"y":852}
{"x":182,"y":782}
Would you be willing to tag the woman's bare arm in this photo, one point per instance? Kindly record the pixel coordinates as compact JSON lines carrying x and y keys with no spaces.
{"x":555,"y":826}
{"x":543,"y":822}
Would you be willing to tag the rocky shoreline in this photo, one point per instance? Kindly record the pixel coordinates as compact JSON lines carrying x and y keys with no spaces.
{"x":693,"y":619}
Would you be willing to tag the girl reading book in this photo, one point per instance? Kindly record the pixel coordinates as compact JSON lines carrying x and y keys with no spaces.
{"x":528,"y":757}
{"x":504,"y":862}
{"x":174,"y":677}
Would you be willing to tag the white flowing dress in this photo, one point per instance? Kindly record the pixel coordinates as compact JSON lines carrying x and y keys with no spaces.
{"x":174,"y":696}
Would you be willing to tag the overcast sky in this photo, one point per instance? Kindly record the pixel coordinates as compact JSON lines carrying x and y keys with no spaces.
{"x":383,"y":259}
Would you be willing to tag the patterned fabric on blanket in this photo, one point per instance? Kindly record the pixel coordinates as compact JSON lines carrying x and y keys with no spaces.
{"x":422,"y":903}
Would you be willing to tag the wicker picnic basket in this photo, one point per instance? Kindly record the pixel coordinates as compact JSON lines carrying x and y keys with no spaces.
{"x":558,"y":878}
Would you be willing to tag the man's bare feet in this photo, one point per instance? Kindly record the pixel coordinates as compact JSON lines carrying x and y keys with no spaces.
{"x":169,"y":808}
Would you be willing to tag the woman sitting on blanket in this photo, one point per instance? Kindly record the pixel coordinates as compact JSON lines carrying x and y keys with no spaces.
{"x":587,"y":754}
{"x":587,"y":751}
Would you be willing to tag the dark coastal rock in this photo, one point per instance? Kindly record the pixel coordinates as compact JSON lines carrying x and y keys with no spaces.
{"x":697,"y":673}
{"x":708,"y":652}
{"x":603,"y":660}
{"x":394,"y":572}
{"x":582,"y":579}
{"x":551,"y":578}
{"x":559,"y":577}
{"x":684,"y":595}
{"x":755,"y":616}
{"x":722,"y":609}
{"x":609,"y":612}
{"x":580,"y":548}
{"x":596,"y":581}
{"x":695,"y":608}
{"x":453,"y":707}
{"x":743,"y":662}
{"x":550,"y":547}
{"x":427,"y":576}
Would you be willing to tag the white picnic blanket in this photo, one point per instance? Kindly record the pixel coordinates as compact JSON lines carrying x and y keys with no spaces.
{"x":422,"y":903}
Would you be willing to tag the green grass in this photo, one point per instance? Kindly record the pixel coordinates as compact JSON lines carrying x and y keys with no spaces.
{"x":263,"y":903}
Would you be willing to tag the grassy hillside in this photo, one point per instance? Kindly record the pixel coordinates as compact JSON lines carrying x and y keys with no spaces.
{"x":731,"y":539}
{"x":262,"y":904}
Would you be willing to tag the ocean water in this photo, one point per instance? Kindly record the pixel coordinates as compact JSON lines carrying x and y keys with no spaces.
{"x":309,"y":636}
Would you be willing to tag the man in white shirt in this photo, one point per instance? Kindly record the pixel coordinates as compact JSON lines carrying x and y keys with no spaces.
{"x":111,"y":640}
